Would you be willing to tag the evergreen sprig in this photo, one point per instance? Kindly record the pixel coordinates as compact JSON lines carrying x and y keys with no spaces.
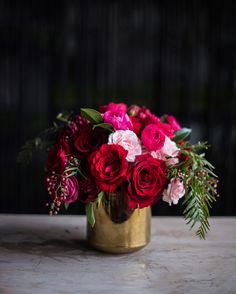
{"x":43,"y":141}
{"x":200,"y":186}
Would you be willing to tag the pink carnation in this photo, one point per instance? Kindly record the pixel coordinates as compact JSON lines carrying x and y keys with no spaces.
{"x":119,"y":120}
{"x":129,"y":141}
{"x":172,"y":161}
{"x":169,"y":148}
{"x":174,"y":191}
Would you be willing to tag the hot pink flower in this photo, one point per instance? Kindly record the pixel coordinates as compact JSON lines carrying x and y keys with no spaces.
{"x":129,"y":141}
{"x":174,"y":191}
{"x":166,"y":129}
{"x":113,"y":107}
{"x":173,"y":122}
{"x":71,"y":189}
{"x":61,"y":188}
{"x":152,"y":137}
{"x":119,"y":120}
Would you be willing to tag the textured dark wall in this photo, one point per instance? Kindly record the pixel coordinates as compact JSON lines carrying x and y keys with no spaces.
{"x":175,"y":57}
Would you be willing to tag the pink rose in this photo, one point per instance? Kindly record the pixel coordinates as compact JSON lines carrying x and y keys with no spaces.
{"x":174,"y":191}
{"x":173,"y":122}
{"x":152,"y":137}
{"x":119,"y":120}
{"x":61,"y":188}
{"x":71,"y":189}
{"x":129,"y":141}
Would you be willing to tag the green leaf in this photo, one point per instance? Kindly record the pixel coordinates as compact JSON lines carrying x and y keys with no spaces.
{"x":63,"y":116}
{"x":90,"y":214}
{"x":105,"y":126}
{"x":181,"y":134}
{"x":100,"y":198}
{"x":164,"y":119}
{"x":66,"y":205}
{"x":92,"y":115}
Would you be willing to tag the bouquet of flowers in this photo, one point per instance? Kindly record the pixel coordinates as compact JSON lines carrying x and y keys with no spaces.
{"x":128,"y":150}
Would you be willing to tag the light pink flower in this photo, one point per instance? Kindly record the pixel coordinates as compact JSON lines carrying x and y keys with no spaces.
{"x":119,"y":120}
{"x":174,"y":191}
{"x":158,"y":154}
{"x":172,"y":161}
{"x":129,"y":141}
{"x":170,"y":148}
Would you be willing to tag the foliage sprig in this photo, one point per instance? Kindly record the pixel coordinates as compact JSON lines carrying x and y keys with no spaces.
{"x":200,"y":186}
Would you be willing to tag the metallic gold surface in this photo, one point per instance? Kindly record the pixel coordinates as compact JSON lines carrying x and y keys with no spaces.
{"x":128,"y":236}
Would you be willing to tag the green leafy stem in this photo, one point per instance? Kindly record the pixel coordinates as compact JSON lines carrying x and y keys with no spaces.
{"x":200,"y":187}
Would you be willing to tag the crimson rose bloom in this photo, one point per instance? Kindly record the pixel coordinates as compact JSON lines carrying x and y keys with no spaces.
{"x":57,"y":158}
{"x":88,"y":190}
{"x":108,"y":166}
{"x":146,"y":180}
{"x":89,"y":140}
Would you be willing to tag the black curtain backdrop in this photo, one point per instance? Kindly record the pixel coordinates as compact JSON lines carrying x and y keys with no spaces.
{"x":176,"y":57}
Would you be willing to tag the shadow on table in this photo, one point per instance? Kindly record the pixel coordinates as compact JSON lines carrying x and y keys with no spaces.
{"x":40,"y":241}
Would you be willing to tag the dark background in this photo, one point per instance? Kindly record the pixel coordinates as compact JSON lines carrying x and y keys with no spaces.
{"x":176,"y":57}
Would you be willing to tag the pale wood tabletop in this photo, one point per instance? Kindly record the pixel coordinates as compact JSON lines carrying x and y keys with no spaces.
{"x":42,"y":254}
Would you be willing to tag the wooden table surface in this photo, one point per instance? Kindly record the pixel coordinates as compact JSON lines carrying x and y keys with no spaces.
{"x":42,"y":254}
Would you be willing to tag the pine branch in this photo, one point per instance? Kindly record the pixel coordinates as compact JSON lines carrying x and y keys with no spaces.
{"x":200,"y":186}
{"x":44,"y":140}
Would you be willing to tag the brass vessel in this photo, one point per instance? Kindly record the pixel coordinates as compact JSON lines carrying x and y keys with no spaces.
{"x":128,"y":235}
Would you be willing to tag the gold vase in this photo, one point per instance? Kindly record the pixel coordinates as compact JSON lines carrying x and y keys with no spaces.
{"x":119,"y":230}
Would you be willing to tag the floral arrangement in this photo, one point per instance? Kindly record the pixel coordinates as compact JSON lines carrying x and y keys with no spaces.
{"x":129,"y":150}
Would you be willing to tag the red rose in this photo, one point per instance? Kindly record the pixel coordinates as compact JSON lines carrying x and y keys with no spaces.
{"x":108,"y":166}
{"x":137,"y":125}
{"x":88,"y":140}
{"x":88,"y":190}
{"x":146,"y":180}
